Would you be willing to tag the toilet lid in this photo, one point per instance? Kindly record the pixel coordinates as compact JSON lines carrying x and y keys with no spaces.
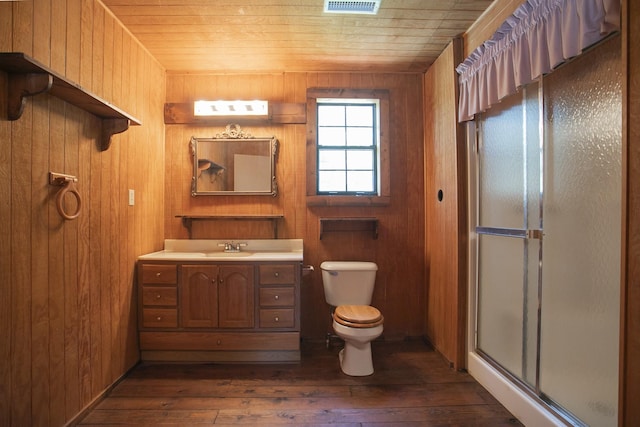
{"x":358,"y":316}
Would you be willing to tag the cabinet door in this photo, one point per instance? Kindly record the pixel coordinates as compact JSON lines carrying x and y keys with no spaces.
{"x":236,"y":296}
{"x":199,"y":296}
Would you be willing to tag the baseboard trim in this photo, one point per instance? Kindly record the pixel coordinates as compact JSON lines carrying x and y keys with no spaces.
{"x":99,"y":398}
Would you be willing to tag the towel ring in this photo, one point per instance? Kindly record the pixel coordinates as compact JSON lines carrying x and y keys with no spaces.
{"x":68,"y":187}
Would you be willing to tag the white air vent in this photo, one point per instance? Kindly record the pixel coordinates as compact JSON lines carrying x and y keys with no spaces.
{"x":344,"y":6}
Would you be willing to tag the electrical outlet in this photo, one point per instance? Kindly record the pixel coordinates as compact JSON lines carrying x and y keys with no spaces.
{"x":132,"y":199}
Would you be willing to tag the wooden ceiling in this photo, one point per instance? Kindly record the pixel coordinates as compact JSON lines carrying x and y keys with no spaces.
{"x":294,"y":35}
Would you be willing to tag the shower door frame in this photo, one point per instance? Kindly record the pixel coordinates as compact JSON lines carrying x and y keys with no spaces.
{"x":530,"y":397}
{"x":510,"y":390}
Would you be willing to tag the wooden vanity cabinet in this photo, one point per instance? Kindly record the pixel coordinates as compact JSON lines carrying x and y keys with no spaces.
{"x":236,"y":296}
{"x":199,"y":296}
{"x":158,"y":295}
{"x":277,"y":296}
{"x":219,"y":311}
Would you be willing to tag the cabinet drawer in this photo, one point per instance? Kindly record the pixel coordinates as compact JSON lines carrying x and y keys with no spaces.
{"x":277,"y":318}
{"x":159,"y":318}
{"x":277,"y":274}
{"x":159,"y":295}
{"x":159,"y":273}
{"x":276,"y":297}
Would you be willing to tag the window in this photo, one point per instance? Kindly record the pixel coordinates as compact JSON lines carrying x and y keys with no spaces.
{"x":347,"y":146}
{"x":348,"y":156}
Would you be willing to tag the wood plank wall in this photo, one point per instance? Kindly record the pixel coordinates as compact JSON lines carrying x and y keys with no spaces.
{"x":66,"y":301}
{"x":400,"y":285}
{"x":629,"y":410}
{"x":445,"y":201}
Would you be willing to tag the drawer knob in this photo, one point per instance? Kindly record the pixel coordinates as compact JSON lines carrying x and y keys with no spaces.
{"x":158,"y":318}
{"x":277,"y":319}
{"x":219,"y":342}
{"x":277,"y":297}
{"x":157,"y":274}
{"x":276,"y":274}
{"x":158,"y":296}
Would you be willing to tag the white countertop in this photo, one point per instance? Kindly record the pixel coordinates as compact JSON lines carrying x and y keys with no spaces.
{"x":209,"y":250}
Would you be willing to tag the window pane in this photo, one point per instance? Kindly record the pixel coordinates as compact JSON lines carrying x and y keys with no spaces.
{"x":331,"y":136}
{"x":360,"y":115}
{"x":360,"y":181}
{"x":360,"y":159}
{"x":331,"y":159}
{"x":360,"y":137}
{"x":331,"y":181}
{"x":331,"y":115}
{"x":351,"y":125}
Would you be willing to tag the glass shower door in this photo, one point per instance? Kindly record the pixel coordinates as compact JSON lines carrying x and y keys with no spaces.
{"x":549,"y":187}
{"x":508,"y":234}
{"x":582,"y":226}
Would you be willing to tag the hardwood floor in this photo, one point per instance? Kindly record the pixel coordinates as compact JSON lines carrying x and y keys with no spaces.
{"x":412,"y":385}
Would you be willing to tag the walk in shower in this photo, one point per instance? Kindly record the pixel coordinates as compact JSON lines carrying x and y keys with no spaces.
{"x":545,"y":231}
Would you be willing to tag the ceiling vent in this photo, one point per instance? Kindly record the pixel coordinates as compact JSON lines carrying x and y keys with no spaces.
{"x":344,"y":6}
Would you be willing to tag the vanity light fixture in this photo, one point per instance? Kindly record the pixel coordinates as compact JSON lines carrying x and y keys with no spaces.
{"x":231,"y":108}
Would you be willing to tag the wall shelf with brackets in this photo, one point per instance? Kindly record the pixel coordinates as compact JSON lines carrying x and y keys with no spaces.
{"x":28,"y":77}
{"x":343,"y":224}
{"x":187,"y":220}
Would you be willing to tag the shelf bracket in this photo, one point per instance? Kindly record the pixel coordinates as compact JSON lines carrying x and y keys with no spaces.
{"x":187,"y":222}
{"x":23,"y":85}
{"x":111,"y":127}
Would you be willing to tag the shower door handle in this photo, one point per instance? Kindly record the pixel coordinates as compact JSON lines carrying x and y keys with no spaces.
{"x":534,"y":234}
{"x":511,"y":232}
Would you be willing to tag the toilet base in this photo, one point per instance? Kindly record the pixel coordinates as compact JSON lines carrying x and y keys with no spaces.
{"x":356,"y":360}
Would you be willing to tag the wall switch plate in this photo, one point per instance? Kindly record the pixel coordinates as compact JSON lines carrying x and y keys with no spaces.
{"x":132,"y":199}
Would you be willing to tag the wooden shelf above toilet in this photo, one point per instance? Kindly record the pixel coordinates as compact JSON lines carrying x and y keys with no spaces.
{"x":349,"y":224}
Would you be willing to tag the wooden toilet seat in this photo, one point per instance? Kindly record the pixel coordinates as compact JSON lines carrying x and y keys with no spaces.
{"x":358,"y":316}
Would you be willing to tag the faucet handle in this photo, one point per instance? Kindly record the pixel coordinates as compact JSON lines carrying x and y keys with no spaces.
{"x":239,"y":245}
{"x":226,"y":245}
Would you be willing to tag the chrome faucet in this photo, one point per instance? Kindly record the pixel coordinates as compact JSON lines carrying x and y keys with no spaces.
{"x":231,"y":246}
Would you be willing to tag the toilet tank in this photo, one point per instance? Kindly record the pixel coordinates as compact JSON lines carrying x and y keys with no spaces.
{"x":348,"y":282}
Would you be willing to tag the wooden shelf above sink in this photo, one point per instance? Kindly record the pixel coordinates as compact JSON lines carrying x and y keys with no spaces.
{"x":187,"y":220}
{"x":27,"y":77}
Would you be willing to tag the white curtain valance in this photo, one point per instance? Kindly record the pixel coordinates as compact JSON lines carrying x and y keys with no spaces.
{"x":539,"y":36}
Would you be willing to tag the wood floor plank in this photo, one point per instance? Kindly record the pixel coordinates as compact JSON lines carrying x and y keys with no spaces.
{"x":412,"y":385}
{"x":220,"y":389}
{"x":151,"y":417}
{"x":489,"y":415}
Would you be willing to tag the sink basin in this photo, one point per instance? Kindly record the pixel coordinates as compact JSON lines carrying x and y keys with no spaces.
{"x":240,"y":254}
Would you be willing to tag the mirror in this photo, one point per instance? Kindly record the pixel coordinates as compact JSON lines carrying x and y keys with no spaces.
{"x":234,"y":163}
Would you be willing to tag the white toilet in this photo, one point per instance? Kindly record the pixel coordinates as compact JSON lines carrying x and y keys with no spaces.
{"x":348,"y":286}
